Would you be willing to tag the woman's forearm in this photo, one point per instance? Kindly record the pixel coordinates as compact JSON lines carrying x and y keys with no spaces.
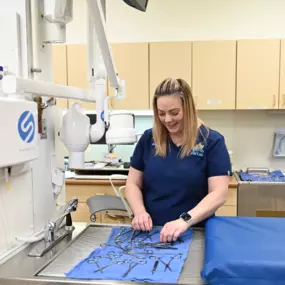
{"x":208,"y":206}
{"x":135,"y":198}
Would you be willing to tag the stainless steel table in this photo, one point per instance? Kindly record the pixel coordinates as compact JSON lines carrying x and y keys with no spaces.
{"x":50,"y":268}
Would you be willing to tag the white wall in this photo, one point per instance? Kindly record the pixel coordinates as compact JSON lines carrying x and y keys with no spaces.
{"x":185,"y":20}
{"x":196,"y":20}
{"x":249,"y":134}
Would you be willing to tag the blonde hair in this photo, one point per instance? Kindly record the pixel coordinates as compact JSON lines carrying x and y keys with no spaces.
{"x":177,"y":87}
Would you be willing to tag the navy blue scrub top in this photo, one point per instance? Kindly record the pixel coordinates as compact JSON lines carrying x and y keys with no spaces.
{"x":172,"y":185}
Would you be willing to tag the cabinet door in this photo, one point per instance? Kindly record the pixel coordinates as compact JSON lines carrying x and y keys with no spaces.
{"x":258,"y":74}
{"x":169,"y":59}
{"x":131,"y":62}
{"x":77,"y":68}
{"x":282,"y":76}
{"x":227,"y":211}
{"x":59,"y":70}
{"x":214,"y":74}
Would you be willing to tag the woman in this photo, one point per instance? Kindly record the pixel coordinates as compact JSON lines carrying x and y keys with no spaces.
{"x":180,"y":169}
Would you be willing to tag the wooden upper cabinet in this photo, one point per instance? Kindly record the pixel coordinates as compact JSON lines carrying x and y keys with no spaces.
{"x":282,"y":76}
{"x":59,"y":70}
{"x":77,"y":70}
{"x":169,"y":59}
{"x":258,"y":74}
{"x":214,"y":74}
{"x":131,"y":62}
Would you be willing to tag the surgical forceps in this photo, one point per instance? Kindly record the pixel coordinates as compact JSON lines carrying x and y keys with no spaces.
{"x":132,"y":265}
{"x":113,"y":245}
{"x":177,"y":256}
{"x":113,"y":254}
{"x":94,"y":261}
{"x":146,"y":251}
{"x":122,"y":232}
{"x":158,"y":245}
{"x":110,"y":264}
{"x":149,"y":235}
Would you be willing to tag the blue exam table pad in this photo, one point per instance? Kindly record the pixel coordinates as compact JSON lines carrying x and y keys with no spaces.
{"x":109,"y":253}
{"x":244,"y":250}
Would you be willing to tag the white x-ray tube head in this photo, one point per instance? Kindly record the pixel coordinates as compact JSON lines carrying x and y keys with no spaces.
{"x":75,"y":135}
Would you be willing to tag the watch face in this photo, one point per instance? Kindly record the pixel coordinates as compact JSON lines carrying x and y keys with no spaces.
{"x":185,"y":216}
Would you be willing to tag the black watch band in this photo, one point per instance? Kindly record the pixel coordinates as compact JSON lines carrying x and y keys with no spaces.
{"x":186,"y":217}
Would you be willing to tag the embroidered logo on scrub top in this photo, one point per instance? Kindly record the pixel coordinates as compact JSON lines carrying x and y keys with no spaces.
{"x":198,"y":150}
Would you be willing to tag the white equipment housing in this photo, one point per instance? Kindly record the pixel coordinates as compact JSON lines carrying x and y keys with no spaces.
{"x":19,"y":142}
{"x":58,"y":11}
{"x":29,"y":158}
{"x":57,"y":14}
{"x":75,"y":135}
{"x":122,"y":128}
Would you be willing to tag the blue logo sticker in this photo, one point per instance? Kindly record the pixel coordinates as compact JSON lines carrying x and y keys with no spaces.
{"x":26,"y":127}
{"x":198,"y":150}
{"x":102,"y":115}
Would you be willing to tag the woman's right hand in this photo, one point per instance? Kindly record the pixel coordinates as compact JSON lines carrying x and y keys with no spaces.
{"x":142,"y":222}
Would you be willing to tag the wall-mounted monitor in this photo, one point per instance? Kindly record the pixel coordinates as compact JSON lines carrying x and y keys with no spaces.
{"x":137,"y":4}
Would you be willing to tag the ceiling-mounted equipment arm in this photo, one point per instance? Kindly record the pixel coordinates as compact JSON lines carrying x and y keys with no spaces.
{"x":97,"y":18}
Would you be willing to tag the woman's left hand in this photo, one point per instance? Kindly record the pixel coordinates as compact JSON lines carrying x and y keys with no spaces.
{"x":172,"y":230}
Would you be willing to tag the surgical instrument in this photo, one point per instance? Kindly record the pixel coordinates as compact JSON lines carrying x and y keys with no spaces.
{"x":158,"y":245}
{"x":123,"y":229}
{"x":180,"y":240}
{"x":155,"y":266}
{"x":119,"y":245}
{"x":137,"y":234}
{"x":150,"y":252}
{"x":110,"y":257}
{"x":178,"y":256}
{"x":95,"y":261}
{"x":113,"y":254}
{"x":159,"y":259}
{"x":123,"y":232}
{"x":132,"y":266}
{"x":110,"y":264}
{"x":132,"y":236}
{"x":112,"y":245}
{"x":149,"y":235}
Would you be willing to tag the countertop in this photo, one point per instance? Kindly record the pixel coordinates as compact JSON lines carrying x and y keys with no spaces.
{"x":72,"y":181}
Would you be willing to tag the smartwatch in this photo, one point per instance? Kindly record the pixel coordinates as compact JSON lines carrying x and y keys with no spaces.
{"x":186,"y":217}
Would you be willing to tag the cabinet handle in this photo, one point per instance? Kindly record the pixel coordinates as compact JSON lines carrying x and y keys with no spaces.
{"x":274,"y":100}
